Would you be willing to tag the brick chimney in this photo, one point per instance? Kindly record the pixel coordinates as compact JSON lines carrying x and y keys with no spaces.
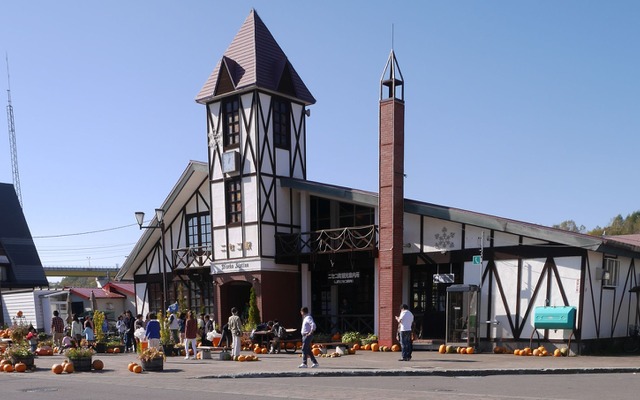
{"x":391,"y":200}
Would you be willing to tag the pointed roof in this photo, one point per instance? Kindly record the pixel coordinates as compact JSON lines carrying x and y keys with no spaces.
{"x":254,"y":59}
{"x":18,"y":253}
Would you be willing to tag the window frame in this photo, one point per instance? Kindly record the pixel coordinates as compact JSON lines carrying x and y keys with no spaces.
{"x":612,"y":268}
{"x":202,"y":227}
{"x":281,"y":123}
{"x":231,"y":122}
{"x":233,"y":200}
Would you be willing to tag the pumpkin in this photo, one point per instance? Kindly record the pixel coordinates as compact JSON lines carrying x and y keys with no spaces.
{"x":264,"y":350}
{"x":367,"y":347}
{"x":57,"y":369}
{"x":20,"y":367}
{"x":557,"y":353}
{"x":356,"y":346}
{"x":4,"y":362}
{"x":242,"y":358}
{"x":8,"y":368}
{"x":131,"y":366}
{"x":375,"y":347}
{"x":442,"y":349}
{"x":137,"y":369}
{"x":257,"y":350}
{"x":470,"y":350}
{"x":462,"y":350}
{"x":116,"y":350}
{"x":98,"y":365}
{"x":68,"y":368}
{"x":316,"y":351}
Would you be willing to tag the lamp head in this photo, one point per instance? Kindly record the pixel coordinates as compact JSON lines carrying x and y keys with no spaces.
{"x":140,"y":218}
{"x":159,"y":215}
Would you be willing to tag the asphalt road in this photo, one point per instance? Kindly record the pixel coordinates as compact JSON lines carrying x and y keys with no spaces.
{"x":102,"y":386}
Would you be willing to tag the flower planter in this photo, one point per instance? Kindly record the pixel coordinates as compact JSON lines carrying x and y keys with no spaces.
{"x":168,"y":349}
{"x":28,"y":361}
{"x":100,"y":347}
{"x":81,"y":364}
{"x":155,"y":364}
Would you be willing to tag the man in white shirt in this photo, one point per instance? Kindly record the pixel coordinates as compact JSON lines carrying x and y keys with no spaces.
{"x":308,"y":327}
{"x":405,"y":321}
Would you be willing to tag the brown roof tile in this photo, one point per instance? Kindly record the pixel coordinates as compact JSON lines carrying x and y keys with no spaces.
{"x":254,"y":58}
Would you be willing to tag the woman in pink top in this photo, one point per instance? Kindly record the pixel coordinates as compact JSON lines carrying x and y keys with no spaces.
{"x":190,"y":333}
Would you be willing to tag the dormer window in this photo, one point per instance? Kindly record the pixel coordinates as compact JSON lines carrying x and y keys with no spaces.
{"x":281,"y":124}
{"x":231,"y":122}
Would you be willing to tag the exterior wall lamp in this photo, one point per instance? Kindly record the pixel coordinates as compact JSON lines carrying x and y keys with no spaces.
{"x":159,"y":225}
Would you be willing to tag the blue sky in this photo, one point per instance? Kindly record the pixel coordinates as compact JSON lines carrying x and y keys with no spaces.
{"x":528,"y":110}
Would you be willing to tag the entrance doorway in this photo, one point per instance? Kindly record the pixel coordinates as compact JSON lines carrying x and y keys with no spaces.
{"x":234,"y":294}
{"x":428,"y":297}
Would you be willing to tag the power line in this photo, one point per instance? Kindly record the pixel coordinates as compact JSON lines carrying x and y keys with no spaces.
{"x":84,"y":233}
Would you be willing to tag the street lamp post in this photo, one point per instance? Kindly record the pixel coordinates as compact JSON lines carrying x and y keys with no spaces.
{"x":160,"y":225}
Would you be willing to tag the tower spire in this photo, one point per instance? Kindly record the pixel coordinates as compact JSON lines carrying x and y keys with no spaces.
{"x":12,"y":137}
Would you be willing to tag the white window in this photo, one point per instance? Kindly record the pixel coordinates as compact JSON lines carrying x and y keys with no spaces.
{"x":611,"y":272}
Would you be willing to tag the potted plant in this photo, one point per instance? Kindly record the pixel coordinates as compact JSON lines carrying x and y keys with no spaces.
{"x":20,"y":352}
{"x":165,"y":335}
{"x":80,"y":357}
{"x":152,"y":359}
{"x":98,"y":320}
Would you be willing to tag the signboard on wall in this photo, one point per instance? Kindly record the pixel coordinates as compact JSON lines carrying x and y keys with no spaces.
{"x":443,"y":278}
{"x":343,"y":278}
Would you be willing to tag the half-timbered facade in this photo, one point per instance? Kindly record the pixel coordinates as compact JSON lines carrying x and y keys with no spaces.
{"x":249,"y":218}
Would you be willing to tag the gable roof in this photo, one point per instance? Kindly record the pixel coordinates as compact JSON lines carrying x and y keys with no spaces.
{"x":628,"y":245}
{"x":254,"y":60}
{"x":85,"y":293}
{"x":16,"y":244}
{"x":120,"y":287}
{"x":191,"y":179}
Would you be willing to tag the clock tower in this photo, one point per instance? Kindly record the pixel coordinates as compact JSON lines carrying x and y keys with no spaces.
{"x":256,"y":109}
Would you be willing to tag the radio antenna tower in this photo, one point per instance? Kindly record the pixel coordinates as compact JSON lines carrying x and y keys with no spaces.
{"x":12,"y":138}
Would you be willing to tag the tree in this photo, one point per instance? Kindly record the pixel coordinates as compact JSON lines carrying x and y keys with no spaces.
{"x":254,"y":313}
{"x":570,"y":225}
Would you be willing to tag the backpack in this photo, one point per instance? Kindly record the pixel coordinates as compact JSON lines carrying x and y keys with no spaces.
{"x":281,"y":332}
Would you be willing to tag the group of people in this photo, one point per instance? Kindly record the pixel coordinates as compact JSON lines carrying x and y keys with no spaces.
{"x":186,"y":328}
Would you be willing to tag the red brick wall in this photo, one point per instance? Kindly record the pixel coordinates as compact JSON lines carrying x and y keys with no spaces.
{"x":391,"y":214}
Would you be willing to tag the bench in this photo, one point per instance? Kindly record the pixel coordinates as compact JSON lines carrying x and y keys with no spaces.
{"x":206,"y":351}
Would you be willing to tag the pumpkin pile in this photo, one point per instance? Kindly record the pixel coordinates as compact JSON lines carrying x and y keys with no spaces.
{"x":6,"y":366}
{"x":135,"y":368}
{"x":248,"y":357}
{"x":541,"y":351}
{"x":448,"y":349}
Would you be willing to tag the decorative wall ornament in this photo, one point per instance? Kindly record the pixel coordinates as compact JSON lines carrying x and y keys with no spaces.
{"x":214,"y":139}
{"x":444,"y":240}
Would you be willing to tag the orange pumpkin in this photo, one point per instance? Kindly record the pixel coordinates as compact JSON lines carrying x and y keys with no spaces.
{"x":396,"y":347}
{"x":20,"y":367}
{"x":137,"y":369}
{"x":264,"y":350}
{"x":68,"y":368}
{"x":470,"y":350}
{"x":57,"y":369}
{"x":356,"y":346}
{"x":367,"y":347}
{"x":242,"y":358}
{"x":257,"y":350}
{"x":98,"y":365}
{"x":375,"y":347}
{"x":8,"y":368}
{"x":116,"y":350}
{"x":131,"y":366}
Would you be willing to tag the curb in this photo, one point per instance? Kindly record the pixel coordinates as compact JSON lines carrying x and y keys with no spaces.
{"x":446,"y":372}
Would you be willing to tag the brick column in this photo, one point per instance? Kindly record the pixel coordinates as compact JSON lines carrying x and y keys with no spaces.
{"x":391,"y":213}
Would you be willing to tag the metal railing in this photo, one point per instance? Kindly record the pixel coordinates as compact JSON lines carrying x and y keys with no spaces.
{"x":188,"y":257}
{"x":359,"y":238}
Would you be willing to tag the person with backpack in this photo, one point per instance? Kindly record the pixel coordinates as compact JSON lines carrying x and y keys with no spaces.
{"x":279,"y":333}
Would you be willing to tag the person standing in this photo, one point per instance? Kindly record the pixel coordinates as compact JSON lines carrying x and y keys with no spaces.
{"x":121,"y":327}
{"x":190,"y":333}
{"x":76,"y":329}
{"x":174,"y":327}
{"x":235,"y":326}
{"x":181,"y":325}
{"x":152,"y":331}
{"x":129,"y":340}
{"x":57,"y":328}
{"x":405,"y":321}
{"x":307,"y":330}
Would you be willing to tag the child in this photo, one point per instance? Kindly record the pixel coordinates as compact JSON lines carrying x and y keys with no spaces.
{"x":66,"y":343}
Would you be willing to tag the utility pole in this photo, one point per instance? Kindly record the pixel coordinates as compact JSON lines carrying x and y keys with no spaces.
{"x":12,"y":138}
